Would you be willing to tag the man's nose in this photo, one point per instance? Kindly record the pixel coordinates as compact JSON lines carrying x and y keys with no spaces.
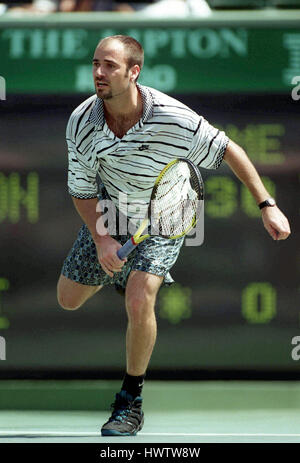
{"x":99,"y":71}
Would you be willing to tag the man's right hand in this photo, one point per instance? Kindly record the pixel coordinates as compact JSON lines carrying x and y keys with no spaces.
{"x":107,"y":249}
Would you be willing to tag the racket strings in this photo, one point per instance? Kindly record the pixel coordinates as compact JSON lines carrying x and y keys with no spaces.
{"x":176,"y":201}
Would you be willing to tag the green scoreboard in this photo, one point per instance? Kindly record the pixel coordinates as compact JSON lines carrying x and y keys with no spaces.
{"x":248,"y":52}
{"x":235,"y":303}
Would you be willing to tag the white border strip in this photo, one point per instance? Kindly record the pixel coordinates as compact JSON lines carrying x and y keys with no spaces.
{"x":213,"y":434}
{"x":25,"y":433}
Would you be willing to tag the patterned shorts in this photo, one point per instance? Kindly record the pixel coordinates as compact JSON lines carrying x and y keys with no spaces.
{"x":155,"y":255}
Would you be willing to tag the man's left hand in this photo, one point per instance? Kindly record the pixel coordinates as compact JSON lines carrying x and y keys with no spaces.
{"x":276,"y":223}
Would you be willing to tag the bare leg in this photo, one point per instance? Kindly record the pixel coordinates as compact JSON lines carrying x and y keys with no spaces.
{"x":141,"y":292}
{"x":72,"y":295}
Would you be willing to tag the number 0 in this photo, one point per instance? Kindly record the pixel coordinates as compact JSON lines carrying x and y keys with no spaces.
{"x":259,"y":302}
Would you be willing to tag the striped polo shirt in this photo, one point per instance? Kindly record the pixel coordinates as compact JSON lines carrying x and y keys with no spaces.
{"x":167,"y":130}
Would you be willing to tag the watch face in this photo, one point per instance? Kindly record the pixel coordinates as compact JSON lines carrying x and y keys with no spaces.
{"x":271,"y":202}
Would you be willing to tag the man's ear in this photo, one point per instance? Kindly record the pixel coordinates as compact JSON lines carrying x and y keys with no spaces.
{"x":135,"y":71}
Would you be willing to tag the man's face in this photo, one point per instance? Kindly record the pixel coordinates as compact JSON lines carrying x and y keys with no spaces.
{"x":110,"y":72}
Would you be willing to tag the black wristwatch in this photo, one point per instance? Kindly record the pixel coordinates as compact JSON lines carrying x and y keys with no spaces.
{"x":270,"y":202}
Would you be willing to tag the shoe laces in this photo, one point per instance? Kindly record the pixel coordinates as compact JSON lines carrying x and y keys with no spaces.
{"x":121,"y":407}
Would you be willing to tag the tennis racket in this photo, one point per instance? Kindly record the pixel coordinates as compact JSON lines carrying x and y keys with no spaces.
{"x":175,"y":205}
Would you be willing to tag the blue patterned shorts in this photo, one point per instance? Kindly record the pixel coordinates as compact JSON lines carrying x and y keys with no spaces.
{"x":155,"y":255}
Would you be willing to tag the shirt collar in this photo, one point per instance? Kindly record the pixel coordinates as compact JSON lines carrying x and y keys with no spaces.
{"x":97,"y":113}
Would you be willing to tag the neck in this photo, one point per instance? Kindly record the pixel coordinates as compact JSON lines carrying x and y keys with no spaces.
{"x":125,"y":115}
{"x":124,"y":105}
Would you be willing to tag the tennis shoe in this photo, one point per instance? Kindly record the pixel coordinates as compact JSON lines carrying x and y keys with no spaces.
{"x":127,"y":417}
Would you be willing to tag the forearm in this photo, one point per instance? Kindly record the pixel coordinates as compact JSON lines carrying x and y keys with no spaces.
{"x":243,"y":168}
{"x":87,"y":209}
{"x":274,"y":220}
{"x":106,"y":245}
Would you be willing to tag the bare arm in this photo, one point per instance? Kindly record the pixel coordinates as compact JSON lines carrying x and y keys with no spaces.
{"x":106,"y":245}
{"x":273,"y":219}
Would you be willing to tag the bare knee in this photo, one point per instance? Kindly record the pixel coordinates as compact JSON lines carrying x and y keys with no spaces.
{"x":68,"y":305}
{"x":72,"y":295}
{"x":141,"y":292}
{"x":140,"y":306}
{"x":66,"y":301}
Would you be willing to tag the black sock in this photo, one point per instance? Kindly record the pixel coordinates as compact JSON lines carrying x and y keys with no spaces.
{"x":133,"y":384}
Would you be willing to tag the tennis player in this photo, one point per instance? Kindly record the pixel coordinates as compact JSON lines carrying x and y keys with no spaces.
{"x":124,"y":135}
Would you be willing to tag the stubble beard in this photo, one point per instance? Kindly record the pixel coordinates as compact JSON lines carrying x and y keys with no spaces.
{"x":101,"y":92}
{"x":109,"y":95}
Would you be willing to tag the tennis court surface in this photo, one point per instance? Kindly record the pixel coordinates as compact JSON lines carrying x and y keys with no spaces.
{"x":39,"y":411}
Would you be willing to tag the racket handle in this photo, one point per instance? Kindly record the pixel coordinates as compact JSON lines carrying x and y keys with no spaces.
{"x":126,"y":249}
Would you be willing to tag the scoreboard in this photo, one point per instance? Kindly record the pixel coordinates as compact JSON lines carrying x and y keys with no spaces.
{"x":235,"y":304}
{"x":233,"y":52}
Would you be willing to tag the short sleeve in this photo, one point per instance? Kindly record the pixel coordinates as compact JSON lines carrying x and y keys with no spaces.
{"x":82,"y":165}
{"x":208,"y":145}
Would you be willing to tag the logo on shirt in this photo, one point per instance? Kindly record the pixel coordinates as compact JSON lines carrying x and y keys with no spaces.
{"x":143,"y":147}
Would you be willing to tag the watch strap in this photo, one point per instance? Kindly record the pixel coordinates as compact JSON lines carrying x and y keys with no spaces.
{"x":270,"y":202}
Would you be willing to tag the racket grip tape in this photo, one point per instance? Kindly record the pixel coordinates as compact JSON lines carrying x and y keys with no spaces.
{"x":126,"y":249}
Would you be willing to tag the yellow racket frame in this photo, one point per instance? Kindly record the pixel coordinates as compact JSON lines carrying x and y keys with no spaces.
{"x":138,"y":237}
